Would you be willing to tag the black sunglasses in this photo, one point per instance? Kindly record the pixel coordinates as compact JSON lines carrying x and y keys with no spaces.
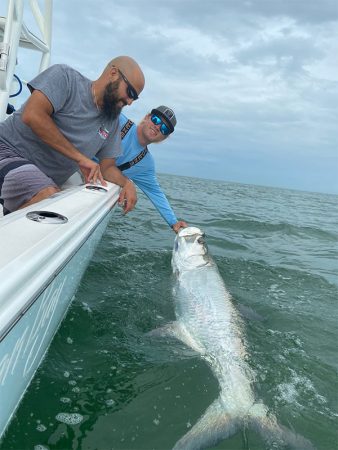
{"x":131,"y":91}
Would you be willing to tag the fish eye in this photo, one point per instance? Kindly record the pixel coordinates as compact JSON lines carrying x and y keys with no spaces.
{"x":201,"y":240}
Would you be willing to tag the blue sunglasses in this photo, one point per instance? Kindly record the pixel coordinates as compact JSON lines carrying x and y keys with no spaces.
{"x":157,"y":121}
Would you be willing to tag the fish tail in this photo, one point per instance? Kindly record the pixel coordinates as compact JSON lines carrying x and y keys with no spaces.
{"x":273,"y":433}
{"x":214,"y":426}
{"x":217,"y":425}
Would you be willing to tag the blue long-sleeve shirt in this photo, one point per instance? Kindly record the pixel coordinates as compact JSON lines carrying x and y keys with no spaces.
{"x":143,"y":173}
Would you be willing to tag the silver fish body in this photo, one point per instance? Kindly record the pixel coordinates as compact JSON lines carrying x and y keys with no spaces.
{"x":204,"y":308}
{"x":208,"y":322}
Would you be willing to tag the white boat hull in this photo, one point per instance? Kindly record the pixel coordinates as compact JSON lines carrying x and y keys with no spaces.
{"x":39,"y":278}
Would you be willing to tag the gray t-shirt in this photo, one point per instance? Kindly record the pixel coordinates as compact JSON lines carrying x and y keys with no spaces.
{"x":76,"y":116}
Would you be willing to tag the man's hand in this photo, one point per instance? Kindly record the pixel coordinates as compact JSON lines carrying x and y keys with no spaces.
{"x":128,"y":197}
{"x":178,"y":225}
{"x":91,"y":171}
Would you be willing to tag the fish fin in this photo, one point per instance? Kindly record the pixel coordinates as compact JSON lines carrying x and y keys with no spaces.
{"x":183,"y":335}
{"x":178,"y":331}
{"x":167,"y":330}
{"x":272,"y":432}
{"x":248,"y":313}
{"x":216,"y":425}
{"x":213,"y":427}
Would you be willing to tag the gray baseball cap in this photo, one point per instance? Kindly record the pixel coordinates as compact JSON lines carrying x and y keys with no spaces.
{"x":167,"y":114}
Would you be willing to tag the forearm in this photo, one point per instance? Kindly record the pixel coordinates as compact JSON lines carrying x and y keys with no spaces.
{"x":44,"y":127}
{"x":114,"y":175}
{"x":149,"y":185}
{"x":37,"y":115}
{"x":161,"y":203}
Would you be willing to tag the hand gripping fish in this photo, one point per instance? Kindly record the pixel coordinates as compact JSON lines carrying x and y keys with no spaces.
{"x":208,"y":322}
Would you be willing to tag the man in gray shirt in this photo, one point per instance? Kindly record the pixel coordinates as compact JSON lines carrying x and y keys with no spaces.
{"x":67,"y":120}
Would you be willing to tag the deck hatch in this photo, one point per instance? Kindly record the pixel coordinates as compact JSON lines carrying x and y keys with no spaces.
{"x":49,"y":217}
{"x":96,"y":188}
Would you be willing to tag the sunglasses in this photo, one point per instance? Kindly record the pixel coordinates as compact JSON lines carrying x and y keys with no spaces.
{"x":157,"y":121}
{"x":131,"y":91}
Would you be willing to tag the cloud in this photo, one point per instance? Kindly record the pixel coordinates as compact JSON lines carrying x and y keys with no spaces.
{"x":253,"y":82}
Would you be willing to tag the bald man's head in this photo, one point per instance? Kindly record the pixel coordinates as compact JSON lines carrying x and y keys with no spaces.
{"x":130,"y":69}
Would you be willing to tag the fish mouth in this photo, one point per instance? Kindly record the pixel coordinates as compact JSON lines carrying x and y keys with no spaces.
{"x":199,"y":239}
{"x":192,"y":235}
{"x":190,"y":262}
{"x":190,"y":250}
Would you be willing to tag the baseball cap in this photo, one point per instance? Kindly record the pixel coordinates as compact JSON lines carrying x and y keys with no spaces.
{"x":167,"y":114}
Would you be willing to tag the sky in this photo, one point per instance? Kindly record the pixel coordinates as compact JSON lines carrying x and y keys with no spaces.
{"x":253,"y":83}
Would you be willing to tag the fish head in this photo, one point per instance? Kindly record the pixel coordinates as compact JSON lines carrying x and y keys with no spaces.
{"x":190,"y":250}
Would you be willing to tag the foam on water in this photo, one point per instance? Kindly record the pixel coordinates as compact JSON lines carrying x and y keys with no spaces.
{"x":298,"y":388}
{"x":86,"y":307}
{"x":69,"y":418}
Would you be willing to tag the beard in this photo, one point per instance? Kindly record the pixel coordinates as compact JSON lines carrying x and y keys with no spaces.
{"x":110,"y":108}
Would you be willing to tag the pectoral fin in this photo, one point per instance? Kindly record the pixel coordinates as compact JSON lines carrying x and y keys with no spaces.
{"x":178,"y":331}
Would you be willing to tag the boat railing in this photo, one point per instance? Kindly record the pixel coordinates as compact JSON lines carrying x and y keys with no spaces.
{"x":14,"y":34}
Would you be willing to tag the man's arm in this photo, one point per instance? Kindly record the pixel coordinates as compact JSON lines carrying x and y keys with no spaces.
{"x":37,"y":115}
{"x":148,"y":183}
{"x":128,"y":196}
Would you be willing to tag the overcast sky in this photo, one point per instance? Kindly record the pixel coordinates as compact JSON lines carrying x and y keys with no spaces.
{"x":253,"y":83}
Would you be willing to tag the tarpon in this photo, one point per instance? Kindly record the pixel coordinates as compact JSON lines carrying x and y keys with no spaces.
{"x":207,"y":321}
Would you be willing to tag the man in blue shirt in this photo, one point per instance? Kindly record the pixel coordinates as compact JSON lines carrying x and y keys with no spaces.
{"x":137,"y":163}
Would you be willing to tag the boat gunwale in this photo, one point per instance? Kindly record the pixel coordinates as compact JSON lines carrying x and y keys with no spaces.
{"x":7,"y":327}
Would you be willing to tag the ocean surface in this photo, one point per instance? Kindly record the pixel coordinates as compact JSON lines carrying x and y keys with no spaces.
{"x":105,"y":385}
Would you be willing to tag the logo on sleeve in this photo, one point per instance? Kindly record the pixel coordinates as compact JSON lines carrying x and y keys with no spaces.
{"x":103,"y":132}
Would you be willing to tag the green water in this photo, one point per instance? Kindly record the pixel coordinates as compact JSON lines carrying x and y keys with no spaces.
{"x":277,"y":253}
